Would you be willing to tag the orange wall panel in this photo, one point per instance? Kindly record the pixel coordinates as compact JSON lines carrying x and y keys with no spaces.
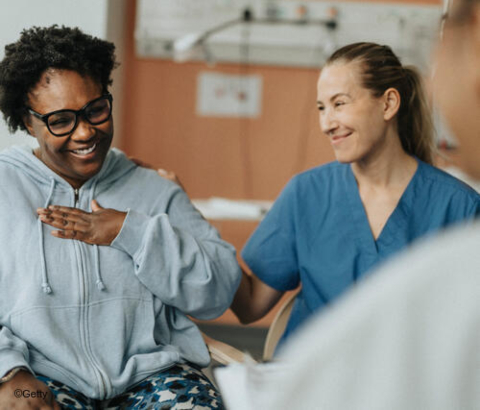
{"x":231,"y":157}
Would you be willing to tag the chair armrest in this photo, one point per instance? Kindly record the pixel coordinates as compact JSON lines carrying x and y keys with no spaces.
{"x":224,"y":353}
{"x":279,"y":323}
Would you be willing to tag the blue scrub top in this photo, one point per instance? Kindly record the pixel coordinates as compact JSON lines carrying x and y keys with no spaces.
{"x":317,"y":232}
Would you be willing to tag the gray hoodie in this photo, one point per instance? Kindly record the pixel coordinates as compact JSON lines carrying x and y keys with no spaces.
{"x":101,"y":318}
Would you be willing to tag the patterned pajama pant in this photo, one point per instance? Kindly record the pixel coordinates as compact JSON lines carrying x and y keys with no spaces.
{"x":179,"y":387}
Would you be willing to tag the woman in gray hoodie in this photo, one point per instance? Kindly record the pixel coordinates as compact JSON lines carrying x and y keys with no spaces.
{"x":99,"y":320}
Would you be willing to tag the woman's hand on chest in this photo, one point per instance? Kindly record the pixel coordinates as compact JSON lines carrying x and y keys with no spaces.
{"x":99,"y":227}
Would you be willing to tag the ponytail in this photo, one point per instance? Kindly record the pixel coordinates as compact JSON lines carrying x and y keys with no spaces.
{"x":415,"y":124}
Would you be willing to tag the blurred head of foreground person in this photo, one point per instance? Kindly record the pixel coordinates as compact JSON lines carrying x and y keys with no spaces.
{"x":457,"y":80}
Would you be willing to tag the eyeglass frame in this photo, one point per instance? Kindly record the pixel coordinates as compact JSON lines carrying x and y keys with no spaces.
{"x":78,"y":113}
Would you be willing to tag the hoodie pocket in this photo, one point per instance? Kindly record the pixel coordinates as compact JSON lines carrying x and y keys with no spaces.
{"x":54,"y":335}
{"x":118,"y":329}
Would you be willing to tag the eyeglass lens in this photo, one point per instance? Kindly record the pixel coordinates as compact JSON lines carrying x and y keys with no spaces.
{"x":95,"y":113}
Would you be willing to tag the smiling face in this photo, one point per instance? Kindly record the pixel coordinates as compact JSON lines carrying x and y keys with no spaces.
{"x":352,"y":119}
{"x":457,"y":82}
{"x":78,"y":156}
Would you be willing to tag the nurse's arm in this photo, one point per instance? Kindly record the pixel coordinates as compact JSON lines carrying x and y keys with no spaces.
{"x":254,"y":299}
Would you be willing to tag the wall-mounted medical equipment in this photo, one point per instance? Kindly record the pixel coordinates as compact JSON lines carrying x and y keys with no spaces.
{"x":281,"y":32}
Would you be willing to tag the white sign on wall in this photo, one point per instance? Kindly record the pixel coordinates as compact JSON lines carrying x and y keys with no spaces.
{"x":223,"y":95}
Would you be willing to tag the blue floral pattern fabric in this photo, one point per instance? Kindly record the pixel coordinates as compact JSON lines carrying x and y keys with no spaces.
{"x":181,"y":387}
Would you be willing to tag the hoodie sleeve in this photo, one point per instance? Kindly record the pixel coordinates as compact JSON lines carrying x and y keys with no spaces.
{"x":13,"y":352}
{"x":180,"y":257}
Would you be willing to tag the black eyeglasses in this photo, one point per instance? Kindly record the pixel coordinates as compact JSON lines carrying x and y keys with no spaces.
{"x":64,"y":122}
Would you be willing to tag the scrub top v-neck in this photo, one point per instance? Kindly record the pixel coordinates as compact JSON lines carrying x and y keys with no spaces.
{"x":390,"y":239}
{"x":317,"y":233}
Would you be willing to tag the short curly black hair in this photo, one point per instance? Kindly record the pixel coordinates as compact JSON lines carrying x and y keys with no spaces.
{"x":42,"y":48}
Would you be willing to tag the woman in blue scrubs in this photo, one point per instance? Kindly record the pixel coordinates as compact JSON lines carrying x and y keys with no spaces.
{"x":332,"y":224}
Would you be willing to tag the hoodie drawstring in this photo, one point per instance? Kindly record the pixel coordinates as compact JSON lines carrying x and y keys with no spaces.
{"x":99,"y":281}
{"x":45,"y":284}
